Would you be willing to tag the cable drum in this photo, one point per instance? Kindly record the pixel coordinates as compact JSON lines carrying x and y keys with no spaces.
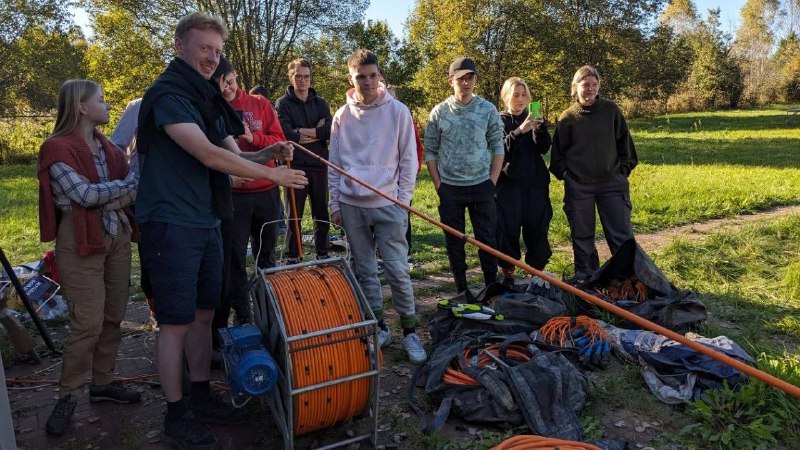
{"x":318,"y":325}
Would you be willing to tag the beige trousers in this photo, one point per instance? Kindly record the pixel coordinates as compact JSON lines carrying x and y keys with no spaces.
{"x":96,"y":289}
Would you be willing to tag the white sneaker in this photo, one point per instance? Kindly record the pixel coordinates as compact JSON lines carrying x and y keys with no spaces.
{"x":414,"y":348}
{"x":384,"y":337}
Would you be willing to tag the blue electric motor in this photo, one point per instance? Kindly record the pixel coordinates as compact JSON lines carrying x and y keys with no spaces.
{"x":249,"y":368}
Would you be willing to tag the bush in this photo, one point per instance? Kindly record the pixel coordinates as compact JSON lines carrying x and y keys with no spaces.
{"x":633,"y":107}
{"x":20,"y":138}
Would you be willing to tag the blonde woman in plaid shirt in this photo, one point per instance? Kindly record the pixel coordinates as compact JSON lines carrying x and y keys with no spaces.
{"x":85,"y":190}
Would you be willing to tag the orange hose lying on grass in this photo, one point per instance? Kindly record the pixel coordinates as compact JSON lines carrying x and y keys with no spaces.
{"x":627,"y":315}
{"x":315,"y":299}
{"x":531,"y":442}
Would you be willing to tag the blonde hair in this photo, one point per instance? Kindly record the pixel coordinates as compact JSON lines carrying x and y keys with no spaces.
{"x":70,"y":96}
{"x":201,"y":21}
{"x":583,"y":73}
{"x":510,"y":85}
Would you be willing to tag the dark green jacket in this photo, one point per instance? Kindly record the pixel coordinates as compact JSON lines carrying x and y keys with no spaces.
{"x":592,"y":144}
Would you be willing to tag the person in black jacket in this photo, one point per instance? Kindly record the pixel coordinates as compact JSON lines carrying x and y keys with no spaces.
{"x":593,"y":153}
{"x":306,"y":119}
{"x":522,"y":192}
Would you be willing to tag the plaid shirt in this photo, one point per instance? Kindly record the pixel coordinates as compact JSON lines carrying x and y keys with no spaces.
{"x":68,"y":185}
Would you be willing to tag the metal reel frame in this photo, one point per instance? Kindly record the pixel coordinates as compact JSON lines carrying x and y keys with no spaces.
{"x":268,"y":317}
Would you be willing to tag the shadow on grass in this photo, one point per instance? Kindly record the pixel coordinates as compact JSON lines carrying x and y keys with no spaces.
{"x":757,"y":120}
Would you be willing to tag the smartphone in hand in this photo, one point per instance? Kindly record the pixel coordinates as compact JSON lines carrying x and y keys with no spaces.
{"x":535,"y":109}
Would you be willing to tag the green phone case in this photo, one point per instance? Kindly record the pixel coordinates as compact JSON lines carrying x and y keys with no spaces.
{"x":535,"y":109}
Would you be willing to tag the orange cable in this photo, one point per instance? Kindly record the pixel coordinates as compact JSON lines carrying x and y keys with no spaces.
{"x":314,"y":299}
{"x":643,"y":323}
{"x":532,"y":442}
{"x":454,"y":374}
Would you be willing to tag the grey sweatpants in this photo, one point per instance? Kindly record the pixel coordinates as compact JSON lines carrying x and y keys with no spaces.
{"x":385,"y":228}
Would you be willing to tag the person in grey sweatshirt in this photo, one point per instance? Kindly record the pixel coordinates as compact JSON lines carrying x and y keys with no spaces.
{"x":464,"y":153}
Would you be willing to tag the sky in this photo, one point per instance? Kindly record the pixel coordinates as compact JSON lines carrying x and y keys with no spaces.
{"x":395,"y":13}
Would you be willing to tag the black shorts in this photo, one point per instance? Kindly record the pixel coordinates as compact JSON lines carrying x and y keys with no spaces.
{"x":185,"y":269}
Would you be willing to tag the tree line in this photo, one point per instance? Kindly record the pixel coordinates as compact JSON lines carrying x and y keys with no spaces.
{"x":654,"y":56}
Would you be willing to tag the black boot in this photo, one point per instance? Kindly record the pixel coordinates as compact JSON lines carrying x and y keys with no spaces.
{"x":59,"y":419}
{"x":461,"y":282}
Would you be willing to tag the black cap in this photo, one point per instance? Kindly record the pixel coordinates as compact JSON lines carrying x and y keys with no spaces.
{"x":462,"y":66}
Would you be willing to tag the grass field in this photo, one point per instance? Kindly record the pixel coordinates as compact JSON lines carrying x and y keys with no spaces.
{"x":693,"y":167}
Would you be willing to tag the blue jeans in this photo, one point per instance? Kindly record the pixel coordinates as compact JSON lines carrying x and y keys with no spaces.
{"x":385,"y":228}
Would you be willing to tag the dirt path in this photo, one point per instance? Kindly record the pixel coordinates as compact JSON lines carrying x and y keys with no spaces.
{"x":651,"y":242}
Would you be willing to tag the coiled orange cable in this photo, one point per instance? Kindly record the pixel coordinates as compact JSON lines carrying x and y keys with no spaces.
{"x":558,"y":330}
{"x":532,"y":442}
{"x":454,"y":374}
{"x":315,"y":299}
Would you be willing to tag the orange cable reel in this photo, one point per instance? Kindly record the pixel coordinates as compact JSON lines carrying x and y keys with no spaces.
{"x":316,"y":299}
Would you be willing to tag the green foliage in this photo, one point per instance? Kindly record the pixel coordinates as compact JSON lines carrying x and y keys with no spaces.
{"x":753,"y":48}
{"x":714,"y":80}
{"x":787,"y":63}
{"x":20,"y":139}
{"x":328,"y":56}
{"x":123,"y":58}
{"x":754,"y":416}
{"x":264,"y":35}
{"x":545,"y":46}
{"x":41,"y":49}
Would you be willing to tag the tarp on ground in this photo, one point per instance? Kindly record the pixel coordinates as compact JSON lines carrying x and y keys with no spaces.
{"x":668,"y":306}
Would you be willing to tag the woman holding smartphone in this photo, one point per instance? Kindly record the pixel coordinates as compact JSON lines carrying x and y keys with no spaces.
{"x":522,"y":193}
{"x":593,"y":153}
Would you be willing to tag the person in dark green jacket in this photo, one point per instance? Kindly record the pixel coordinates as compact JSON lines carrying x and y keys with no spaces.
{"x":593,"y":153}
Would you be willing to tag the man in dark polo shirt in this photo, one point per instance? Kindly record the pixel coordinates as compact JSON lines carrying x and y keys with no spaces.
{"x":187,"y":151}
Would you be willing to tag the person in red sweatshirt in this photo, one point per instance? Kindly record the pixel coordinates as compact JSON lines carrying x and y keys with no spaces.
{"x":256,"y":203}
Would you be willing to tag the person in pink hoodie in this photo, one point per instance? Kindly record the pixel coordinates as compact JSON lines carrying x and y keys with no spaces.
{"x":372,"y":138}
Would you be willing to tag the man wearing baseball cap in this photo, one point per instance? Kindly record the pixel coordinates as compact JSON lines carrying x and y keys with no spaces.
{"x":464,"y":153}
